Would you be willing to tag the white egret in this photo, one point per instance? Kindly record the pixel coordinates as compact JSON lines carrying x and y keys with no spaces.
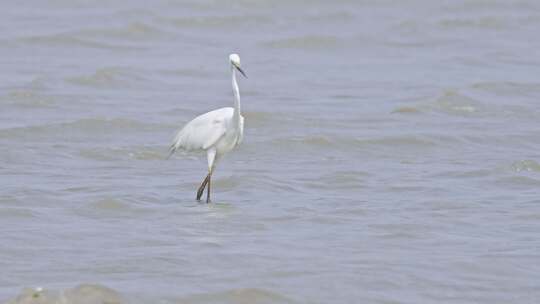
{"x":216,"y":132}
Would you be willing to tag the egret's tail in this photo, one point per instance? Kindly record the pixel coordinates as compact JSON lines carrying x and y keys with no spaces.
{"x":172,"y":149}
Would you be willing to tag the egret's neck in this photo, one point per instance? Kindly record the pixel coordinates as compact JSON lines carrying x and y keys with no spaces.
{"x":236,"y":91}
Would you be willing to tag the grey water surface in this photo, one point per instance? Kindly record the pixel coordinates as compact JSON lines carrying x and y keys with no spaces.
{"x":391,"y":151}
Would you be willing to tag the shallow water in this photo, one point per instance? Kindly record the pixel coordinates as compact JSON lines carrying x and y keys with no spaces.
{"x":391,"y":151}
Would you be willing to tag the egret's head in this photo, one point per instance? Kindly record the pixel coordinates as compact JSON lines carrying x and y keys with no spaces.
{"x":235,"y":63}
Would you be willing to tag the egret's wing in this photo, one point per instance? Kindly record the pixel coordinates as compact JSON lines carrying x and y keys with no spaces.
{"x":202,"y":132}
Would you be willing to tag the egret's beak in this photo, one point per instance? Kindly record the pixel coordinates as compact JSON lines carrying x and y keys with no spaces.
{"x":240,"y":70}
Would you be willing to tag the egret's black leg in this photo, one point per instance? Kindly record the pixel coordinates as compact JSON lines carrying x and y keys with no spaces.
{"x":208,"y":190}
{"x":201,"y":188}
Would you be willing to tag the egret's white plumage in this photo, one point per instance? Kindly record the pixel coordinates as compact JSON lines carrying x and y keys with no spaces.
{"x":216,"y":132}
{"x":206,"y":130}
